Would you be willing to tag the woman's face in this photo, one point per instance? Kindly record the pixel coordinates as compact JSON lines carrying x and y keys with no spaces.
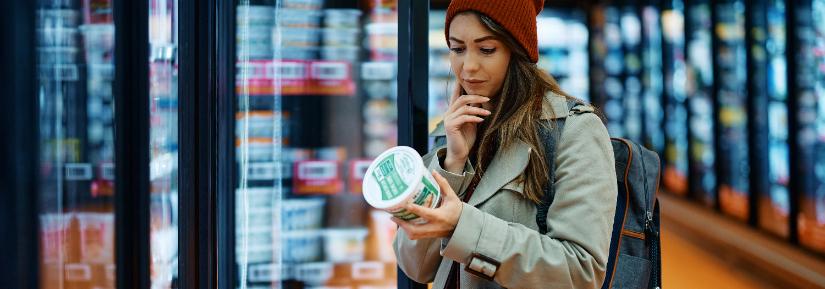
{"x":478,"y":59}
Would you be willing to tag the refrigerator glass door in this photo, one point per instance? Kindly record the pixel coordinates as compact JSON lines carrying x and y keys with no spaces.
{"x":699,"y":90}
{"x":731,"y":102}
{"x":811,"y":120}
{"x":316,"y":102}
{"x":75,"y":45}
{"x":163,"y":129}
{"x":675,"y":174}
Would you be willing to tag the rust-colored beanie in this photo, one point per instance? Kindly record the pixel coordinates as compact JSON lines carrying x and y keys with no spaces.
{"x":517,"y":16}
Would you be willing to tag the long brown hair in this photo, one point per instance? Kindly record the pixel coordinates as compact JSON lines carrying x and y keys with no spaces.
{"x":517,"y":112}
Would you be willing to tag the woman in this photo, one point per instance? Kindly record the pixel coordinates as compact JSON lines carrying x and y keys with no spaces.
{"x":494,"y":160}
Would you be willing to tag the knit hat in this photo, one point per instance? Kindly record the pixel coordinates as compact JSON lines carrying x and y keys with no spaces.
{"x":516,"y":16}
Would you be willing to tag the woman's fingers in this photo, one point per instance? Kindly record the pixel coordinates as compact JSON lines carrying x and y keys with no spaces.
{"x":458,"y":121}
{"x":466,"y":100}
{"x":456,"y":93}
{"x":446,"y":191}
{"x":472,"y":110}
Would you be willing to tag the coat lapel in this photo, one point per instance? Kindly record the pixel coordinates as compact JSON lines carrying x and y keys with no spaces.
{"x":506,"y":165}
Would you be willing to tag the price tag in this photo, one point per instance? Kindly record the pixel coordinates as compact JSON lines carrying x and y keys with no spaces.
{"x":262,"y":171}
{"x":288,"y":70}
{"x":107,"y":171}
{"x":78,"y":272}
{"x":265,"y":273}
{"x":330,"y":70}
{"x":317,"y":177}
{"x":78,"y":171}
{"x":357,"y":170}
{"x":378,"y":71}
{"x":368,"y":271}
{"x":252,"y":69}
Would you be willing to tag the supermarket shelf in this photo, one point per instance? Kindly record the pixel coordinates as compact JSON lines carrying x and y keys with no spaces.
{"x":772,"y":259}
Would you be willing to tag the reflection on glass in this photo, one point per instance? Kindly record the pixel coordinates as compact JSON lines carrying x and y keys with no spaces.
{"x":731,"y":100}
{"x":674,"y":67}
{"x":614,"y":65}
{"x":163,"y":117}
{"x":811,"y":136}
{"x":699,"y":89}
{"x":652,"y":80}
{"x":315,"y":104}
{"x":76,"y":206}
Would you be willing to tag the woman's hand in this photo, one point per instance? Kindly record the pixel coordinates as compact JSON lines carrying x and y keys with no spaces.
{"x":441,"y":221}
{"x":460,"y":122}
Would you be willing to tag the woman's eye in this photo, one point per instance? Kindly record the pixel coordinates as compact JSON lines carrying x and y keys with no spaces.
{"x":457,"y":49}
{"x":488,"y":50}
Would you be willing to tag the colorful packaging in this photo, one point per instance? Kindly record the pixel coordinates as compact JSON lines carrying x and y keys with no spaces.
{"x":397,"y":178}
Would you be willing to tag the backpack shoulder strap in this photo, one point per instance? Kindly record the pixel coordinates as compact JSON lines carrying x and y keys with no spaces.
{"x":550,"y":134}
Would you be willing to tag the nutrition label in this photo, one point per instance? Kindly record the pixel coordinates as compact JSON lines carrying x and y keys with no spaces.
{"x":388,"y":178}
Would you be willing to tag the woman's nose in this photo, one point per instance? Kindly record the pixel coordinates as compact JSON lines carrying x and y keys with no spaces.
{"x":471,"y":63}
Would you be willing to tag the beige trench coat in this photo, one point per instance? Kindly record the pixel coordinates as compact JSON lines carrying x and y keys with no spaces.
{"x":497,"y":234}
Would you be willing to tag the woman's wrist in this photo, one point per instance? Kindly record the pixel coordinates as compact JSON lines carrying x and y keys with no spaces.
{"x":454,"y":165}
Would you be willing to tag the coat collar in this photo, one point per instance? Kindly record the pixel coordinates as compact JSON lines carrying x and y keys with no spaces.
{"x":510,"y":162}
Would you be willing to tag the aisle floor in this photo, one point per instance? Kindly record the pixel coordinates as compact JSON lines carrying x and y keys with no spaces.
{"x":687,"y":266}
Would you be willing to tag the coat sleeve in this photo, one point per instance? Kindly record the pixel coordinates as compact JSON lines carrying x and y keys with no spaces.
{"x":419,"y":259}
{"x":574,"y":252}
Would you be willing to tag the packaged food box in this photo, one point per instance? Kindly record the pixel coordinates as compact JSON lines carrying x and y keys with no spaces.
{"x":341,"y":37}
{"x":298,"y":18}
{"x":345,"y":245}
{"x":342,"y":18}
{"x":302,"y":214}
{"x":302,"y":246}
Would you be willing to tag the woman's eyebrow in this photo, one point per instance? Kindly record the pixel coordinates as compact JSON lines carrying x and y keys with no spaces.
{"x":456,"y":40}
{"x":485,"y":38}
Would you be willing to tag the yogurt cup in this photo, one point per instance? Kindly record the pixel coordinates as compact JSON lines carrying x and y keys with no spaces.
{"x":397,"y":178}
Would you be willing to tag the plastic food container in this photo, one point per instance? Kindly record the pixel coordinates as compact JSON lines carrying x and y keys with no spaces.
{"x":259,"y":149}
{"x":255,"y":51}
{"x":254,"y":35}
{"x":341,"y":18}
{"x":99,"y":43}
{"x":104,"y":72}
{"x":254,"y":15}
{"x":383,"y":35}
{"x":260,"y":123}
{"x":258,"y":217}
{"x":298,"y":18}
{"x":349,"y":54}
{"x":345,"y":245}
{"x":340,"y":37}
{"x":292,"y":53}
{"x":255,"y":254}
{"x":315,"y":273}
{"x":398,"y":177}
{"x":58,"y":36}
{"x":302,"y":214}
{"x":296,"y":37}
{"x":58,"y":18}
{"x":301,"y":246}
{"x":302,"y":4}
{"x":58,"y":55}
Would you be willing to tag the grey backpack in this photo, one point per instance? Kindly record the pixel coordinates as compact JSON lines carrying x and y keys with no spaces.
{"x":635,"y":252}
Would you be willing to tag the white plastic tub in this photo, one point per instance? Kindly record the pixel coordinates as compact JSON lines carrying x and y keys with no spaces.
{"x":254,"y":15}
{"x":99,"y":43}
{"x":341,"y":37}
{"x":57,"y":18}
{"x":297,"y":18}
{"x":397,"y":178}
{"x":259,"y":149}
{"x":296,"y":37}
{"x":301,"y":246}
{"x":57,"y":36}
{"x":57,"y":55}
{"x":302,"y":4}
{"x":315,"y":273}
{"x":254,"y":254}
{"x":259,"y":217}
{"x":293,"y":53}
{"x":349,"y":54}
{"x":257,"y":197}
{"x":345,"y":245}
{"x":254,"y":35}
{"x":302,"y":214}
{"x":342,"y":18}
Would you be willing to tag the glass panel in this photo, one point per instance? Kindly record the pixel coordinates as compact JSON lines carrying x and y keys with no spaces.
{"x":811,"y":118}
{"x":163,"y":117}
{"x":562,"y":39}
{"x":76,"y":204}
{"x":316,"y":97}
{"x":675,"y":154}
{"x":699,"y":90}
{"x":774,"y":203}
{"x":652,"y":80}
{"x":731,"y":100}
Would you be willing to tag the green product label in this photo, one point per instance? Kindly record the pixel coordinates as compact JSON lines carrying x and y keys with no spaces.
{"x":388,"y":178}
{"x":428,"y":194}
